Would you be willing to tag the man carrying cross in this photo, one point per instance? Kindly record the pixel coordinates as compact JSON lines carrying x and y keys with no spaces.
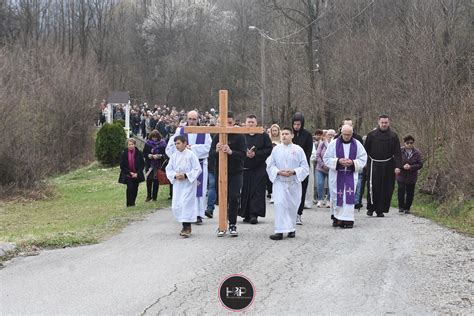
{"x":345,"y":157}
{"x":235,"y":149}
{"x":229,"y":166}
{"x":199,"y":144}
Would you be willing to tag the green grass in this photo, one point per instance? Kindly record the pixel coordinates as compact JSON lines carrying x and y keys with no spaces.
{"x":88,"y":205}
{"x":458,"y":216}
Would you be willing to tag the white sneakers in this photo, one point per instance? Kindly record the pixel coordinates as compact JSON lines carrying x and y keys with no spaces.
{"x":298,"y":220}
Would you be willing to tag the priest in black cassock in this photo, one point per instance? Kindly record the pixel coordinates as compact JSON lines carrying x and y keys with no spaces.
{"x":384,"y":161}
{"x":259,"y":147}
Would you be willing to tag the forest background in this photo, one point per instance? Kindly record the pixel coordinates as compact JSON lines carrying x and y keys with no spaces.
{"x":410,"y":59}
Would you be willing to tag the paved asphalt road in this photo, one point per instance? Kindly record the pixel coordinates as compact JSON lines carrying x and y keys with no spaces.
{"x":398,"y":264}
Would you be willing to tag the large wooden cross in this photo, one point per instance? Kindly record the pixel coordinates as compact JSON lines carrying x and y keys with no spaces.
{"x":223,"y":130}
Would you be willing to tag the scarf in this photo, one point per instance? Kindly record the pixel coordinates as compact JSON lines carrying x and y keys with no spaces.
{"x":155,"y":148}
{"x":131,"y":160}
{"x":345,"y":176}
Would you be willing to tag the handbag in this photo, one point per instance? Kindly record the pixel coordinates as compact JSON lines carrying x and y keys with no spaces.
{"x":161,"y":173}
{"x":162,"y":178}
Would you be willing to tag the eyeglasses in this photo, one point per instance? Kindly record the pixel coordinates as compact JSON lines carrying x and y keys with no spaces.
{"x":409,"y":143}
{"x":192,"y":119}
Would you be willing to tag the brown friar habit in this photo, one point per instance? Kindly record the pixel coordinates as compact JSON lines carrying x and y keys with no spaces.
{"x":383,"y":150}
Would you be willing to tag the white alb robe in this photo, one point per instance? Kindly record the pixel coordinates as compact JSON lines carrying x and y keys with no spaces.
{"x":202,"y":152}
{"x":308,"y":201}
{"x":287,"y":190}
{"x":346,"y":211}
{"x":185,"y":203}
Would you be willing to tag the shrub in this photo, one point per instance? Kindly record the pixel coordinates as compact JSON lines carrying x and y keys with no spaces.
{"x":120,"y":122}
{"x":110,"y":143}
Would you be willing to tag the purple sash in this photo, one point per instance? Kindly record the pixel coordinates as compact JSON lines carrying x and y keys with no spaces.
{"x":200,"y":139}
{"x":345,"y":176}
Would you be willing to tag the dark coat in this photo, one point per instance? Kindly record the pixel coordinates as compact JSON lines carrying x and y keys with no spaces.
{"x":147,"y":151}
{"x":139,"y":165}
{"x":235,"y":162}
{"x":302,"y":137}
{"x":416,"y":163}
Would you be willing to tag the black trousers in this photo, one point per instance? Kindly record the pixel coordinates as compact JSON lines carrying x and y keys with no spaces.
{"x":406,"y":192}
{"x":152,"y":186}
{"x":185,"y":225}
{"x":132,"y":191}
{"x":269,"y":186}
{"x":234,"y":187}
{"x":304,"y":187}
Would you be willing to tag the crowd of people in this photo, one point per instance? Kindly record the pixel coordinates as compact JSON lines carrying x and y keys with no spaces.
{"x":144,"y":118}
{"x":290,"y":166}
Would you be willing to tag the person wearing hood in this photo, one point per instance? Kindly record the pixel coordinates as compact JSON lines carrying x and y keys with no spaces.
{"x":304,"y":139}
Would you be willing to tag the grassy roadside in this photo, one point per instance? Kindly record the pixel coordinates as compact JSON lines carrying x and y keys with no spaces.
{"x":457,"y":216}
{"x":88,"y":205}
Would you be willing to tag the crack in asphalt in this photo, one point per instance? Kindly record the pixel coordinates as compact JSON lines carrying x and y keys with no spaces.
{"x":159,"y":299}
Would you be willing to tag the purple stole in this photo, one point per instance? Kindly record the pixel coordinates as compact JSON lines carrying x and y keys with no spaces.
{"x":345,"y":177}
{"x":200,"y":139}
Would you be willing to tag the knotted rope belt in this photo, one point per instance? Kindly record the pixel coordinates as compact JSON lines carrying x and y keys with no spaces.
{"x":372,"y":160}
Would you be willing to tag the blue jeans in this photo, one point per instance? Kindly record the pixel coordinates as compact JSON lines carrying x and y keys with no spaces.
{"x":358,"y":198}
{"x":321,"y":178}
{"x":211,"y":191}
{"x":316,"y":194}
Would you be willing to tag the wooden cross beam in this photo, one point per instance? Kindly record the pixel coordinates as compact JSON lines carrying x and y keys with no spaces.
{"x":223,"y":132}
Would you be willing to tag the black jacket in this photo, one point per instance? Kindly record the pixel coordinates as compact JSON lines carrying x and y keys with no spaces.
{"x":139,"y":164}
{"x":235,"y":162}
{"x":147,"y":151}
{"x":263,"y":149}
{"x":303,"y":138}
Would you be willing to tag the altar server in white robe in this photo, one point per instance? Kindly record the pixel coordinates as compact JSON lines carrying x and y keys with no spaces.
{"x":183,"y":170}
{"x":287,"y":167}
{"x":345,"y":158}
{"x":199,"y":144}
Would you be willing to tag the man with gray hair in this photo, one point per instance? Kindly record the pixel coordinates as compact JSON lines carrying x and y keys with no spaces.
{"x":344,"y":157}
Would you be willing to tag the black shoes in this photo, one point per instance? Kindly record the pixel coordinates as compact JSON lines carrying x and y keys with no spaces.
{"x":208,"y":213}
{"x":380,"y":215}
{"x":199,"y":220}
{"x":233,"y":231}
{"x":277,"y":236}
{"x":253,"y":220}
{"x":370,"y":213}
